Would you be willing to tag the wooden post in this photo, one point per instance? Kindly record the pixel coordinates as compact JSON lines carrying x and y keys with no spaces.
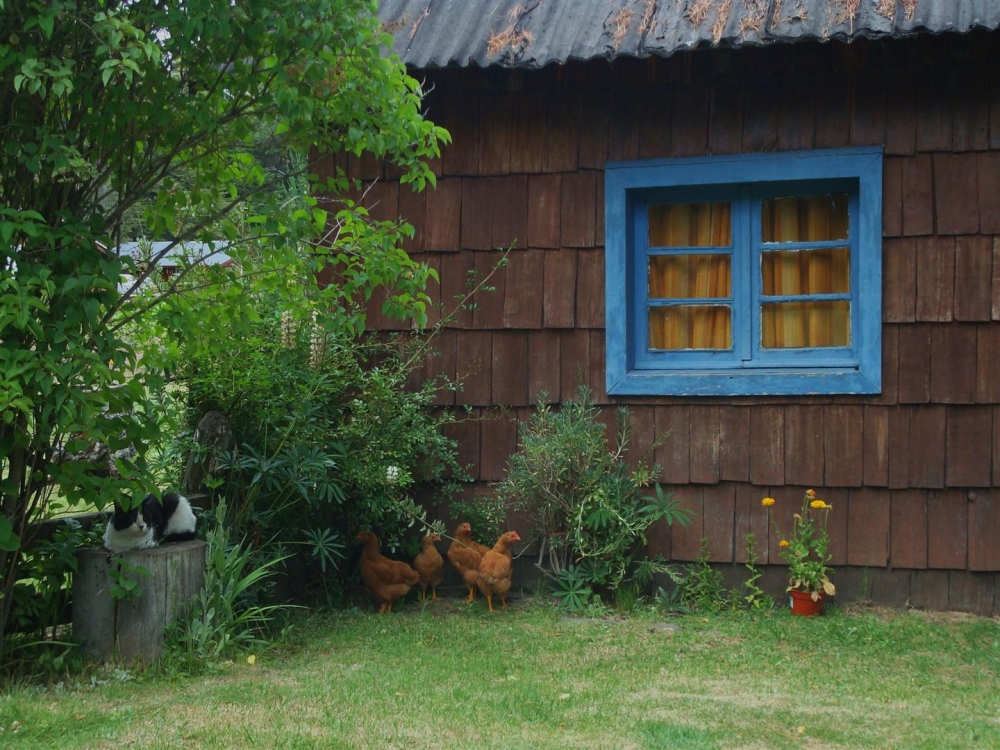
{"x":133,"y":628}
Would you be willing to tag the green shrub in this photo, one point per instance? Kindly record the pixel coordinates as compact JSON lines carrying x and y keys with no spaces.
{"x":330,"y":437}
{"x":702,"y":589}
{"x":587,"y":506}
{"x":224,"y":618}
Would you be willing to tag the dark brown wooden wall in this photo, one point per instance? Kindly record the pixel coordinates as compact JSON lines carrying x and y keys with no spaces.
{"x":914,"y":472}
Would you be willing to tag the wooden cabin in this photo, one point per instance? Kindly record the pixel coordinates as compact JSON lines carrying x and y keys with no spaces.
{"x":771,"y":229}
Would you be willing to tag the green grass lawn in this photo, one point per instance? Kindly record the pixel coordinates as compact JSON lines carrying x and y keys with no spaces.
{"x":449,"y":675}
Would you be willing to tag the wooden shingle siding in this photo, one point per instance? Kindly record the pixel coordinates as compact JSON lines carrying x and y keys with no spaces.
{"x":868,"y":527}
{"x":892,"y":198}
{"x":890,"y":366}
{"x":926,"y":451}
{"x":675,"y":453}
{"x":544,"y":194}
{"x":956,"y":202}
{"x":973,"y":278}
{"x":935,"y":279}
{"x":734,"y":444}
{"x":590,"y":289}
{"x":934,"y":115}
{"x":524,"y":273}
{"x":767,"y":445}
{"x":908,"y":523}
{"x":510,"y":368}
{"x":988,"y":176}
{"x":490,"y":299}
{"x":544,"y":363}
{"x":948,"y":525}
{"x":843,"y":446}
{"x":705,"y":434}
{"x":953,"y":364}
{"x":477,"y":214}
{"x":804,"y":449}
{"x":498,"y":439}
{"x":443,"y":212}
{"x":968,"y":446}
{"x":918,"y":196}
{"x":914,"y":364}
{"x":495,"y":144}
{"x":474,"y":365}
{"x":725,"y":129}
{"x":901,"y":121}
{"x":912,"y":471}
{"x":510,"y":211}
{"x":559,"y":303}
{"x":868,"y":126}
{"x":685,"y":541}
{"x":984,"y":530}
{"x":578,"y":208}
{"x":719,"y":506}
{"x":876,"y":446}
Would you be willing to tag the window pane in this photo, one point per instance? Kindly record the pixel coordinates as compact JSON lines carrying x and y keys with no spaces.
{"x":806,"y":271}
{"x":805,"y":324}
{"x":689,"y":276}
{"x":801,"y":219}
{"x":690,"y":225}
{"x":690,"y":327}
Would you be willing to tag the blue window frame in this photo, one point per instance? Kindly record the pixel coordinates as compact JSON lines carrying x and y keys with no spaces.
{"x":711,"y":279}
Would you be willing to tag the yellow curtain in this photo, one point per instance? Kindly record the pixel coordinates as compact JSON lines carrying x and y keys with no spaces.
{"x":820,"y":271}
{"x":691,"y":276}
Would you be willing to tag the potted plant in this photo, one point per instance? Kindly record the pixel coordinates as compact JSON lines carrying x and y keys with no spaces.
{"x":806,"y":550}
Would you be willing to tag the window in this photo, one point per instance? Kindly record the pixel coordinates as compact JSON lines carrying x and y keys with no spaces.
{"x":753,"y":274}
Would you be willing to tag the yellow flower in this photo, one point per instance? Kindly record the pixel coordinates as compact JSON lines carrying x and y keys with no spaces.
{"x":783,"y":543}
{"x":810,"y":494}
{"x":767,"y":502}
{"x":818,"y":504}
{"x":251,"y":659}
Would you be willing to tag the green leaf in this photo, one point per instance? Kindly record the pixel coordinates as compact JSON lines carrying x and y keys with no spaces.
{"x":9,"y":541}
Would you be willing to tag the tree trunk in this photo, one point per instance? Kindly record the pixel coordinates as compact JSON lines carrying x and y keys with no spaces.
{"x":132,"y":629}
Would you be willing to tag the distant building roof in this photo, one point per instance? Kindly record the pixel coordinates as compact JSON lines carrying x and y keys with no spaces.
{"x":534,"y":33}
{"x":209,"y":253}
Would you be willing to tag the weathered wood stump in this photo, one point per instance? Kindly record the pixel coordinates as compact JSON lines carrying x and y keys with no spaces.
{"x":213,"y":438}
{"x":133,"y":628}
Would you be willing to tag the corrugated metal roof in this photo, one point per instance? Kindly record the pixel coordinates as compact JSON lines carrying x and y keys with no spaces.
{"x":534,"y":33}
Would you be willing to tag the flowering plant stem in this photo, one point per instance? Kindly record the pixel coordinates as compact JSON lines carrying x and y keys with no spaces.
{"x":807,"y":548}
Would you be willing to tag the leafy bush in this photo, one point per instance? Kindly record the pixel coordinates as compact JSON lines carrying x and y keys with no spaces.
{"x":223,"y":619}
{"x":587,"y":505}
{"x":41,"y":596}
{"x":702,"y":589}
{"x":330,"y":437}
{"x":571,"y":590}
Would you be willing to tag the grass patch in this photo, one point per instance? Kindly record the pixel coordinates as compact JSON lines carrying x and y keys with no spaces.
{"x":449,"y":675}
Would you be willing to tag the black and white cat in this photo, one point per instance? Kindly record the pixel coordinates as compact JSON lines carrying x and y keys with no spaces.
{"x":152,"y":522}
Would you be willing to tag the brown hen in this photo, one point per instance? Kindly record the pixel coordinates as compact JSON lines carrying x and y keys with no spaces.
{"x":465,"y":554}
{"x":387,"y":579}
{"x":496,"y":568}
{"x":429,"y":566}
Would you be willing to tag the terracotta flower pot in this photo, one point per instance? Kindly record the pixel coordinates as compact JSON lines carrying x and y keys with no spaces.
{"x":803,"y":604}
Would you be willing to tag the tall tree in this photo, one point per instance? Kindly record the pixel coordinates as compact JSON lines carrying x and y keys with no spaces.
{"x":110,"y":104}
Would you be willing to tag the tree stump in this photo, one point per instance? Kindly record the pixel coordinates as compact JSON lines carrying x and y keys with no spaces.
{"x":132,"y":629}
{"x":213,"y":437}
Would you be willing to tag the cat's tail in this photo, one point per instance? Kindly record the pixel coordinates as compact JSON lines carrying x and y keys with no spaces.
{"x":180,"y":536}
